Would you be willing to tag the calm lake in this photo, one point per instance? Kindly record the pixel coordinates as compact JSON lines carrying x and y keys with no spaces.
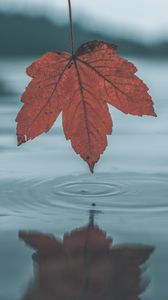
{"x":68,"y":234}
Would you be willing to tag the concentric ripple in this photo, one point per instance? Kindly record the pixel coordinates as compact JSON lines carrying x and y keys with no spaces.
{"x":88,"y":189}
{"x":110,"y":193}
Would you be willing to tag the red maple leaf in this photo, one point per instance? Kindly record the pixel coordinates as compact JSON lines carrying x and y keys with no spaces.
{"x":81,"y":85}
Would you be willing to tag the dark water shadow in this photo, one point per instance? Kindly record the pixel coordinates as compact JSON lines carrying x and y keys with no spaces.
{"x":85,"y":265}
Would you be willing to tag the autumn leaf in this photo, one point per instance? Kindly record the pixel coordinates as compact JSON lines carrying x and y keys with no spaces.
{"x":81,"y":86}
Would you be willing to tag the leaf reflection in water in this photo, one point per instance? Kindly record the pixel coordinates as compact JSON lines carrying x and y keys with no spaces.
{"x":85,"y":265}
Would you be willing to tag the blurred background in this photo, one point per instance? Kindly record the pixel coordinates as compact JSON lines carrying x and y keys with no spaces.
{"x":36,"y":26}
{"x":29,"y":29}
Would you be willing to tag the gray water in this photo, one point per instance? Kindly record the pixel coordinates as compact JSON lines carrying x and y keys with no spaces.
{"x":45,"y":187}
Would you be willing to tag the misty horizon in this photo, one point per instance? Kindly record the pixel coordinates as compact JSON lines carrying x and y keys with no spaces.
{"x":147,"y":22}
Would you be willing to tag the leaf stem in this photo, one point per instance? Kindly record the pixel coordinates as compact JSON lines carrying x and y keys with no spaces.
{"x":71,"y":29}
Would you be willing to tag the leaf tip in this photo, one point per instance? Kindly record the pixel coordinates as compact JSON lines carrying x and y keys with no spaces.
{"x":91,"y":166}
{"x":21,"y":139}
{"x":153,"y":113}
